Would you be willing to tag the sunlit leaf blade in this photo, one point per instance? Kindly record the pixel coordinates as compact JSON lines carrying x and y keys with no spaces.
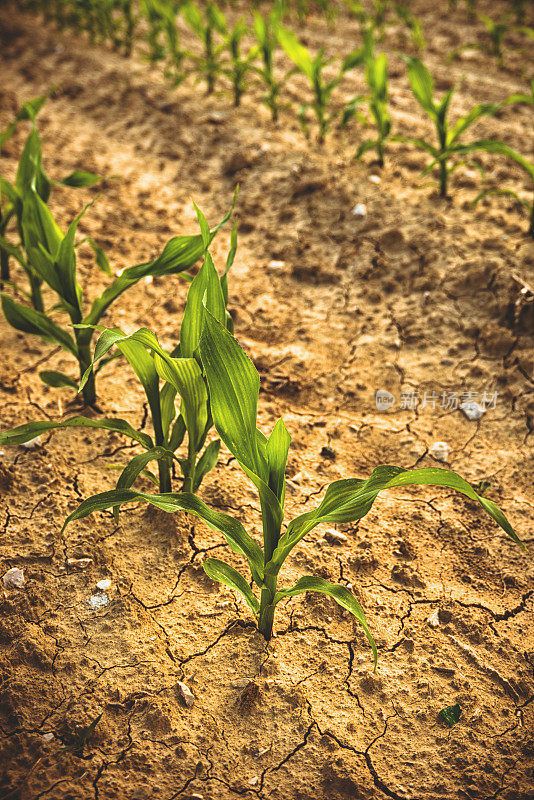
{"x":296,"y":51}
{"x":494,"y":146}
{"x":136,"y":467}
{"x":100,"y":256}
{"x":185,"y":376}
{"x":236,"y":536}
{"x":422,"y":85}
{"x":340,"y":594}
{"x":277,"y":450}
{"x":351,"y":499}
{"x":224,"y":573}
{"x":234,"y":387}
{"x":24,"y":433}
{"x":29,"y":320}
{"x":80,"y":179}
{"x":58,"y":380}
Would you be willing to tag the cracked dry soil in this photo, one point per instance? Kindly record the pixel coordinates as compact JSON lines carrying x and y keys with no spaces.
{"x":420,"y":295}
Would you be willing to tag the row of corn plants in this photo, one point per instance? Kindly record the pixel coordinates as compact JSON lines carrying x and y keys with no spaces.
{"x":240,"y":55}
{"x":205,"y":382}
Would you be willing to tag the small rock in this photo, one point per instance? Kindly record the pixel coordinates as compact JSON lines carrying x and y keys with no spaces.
{"x":254,"y":781}
{"x":97,"y":601}
{"x":222,"y":604}
{"x":148,"y":278}
{"x":217,"y":117}
{"x":196,"y":796}
{"x":433,"y":619}
{"x":261,"y":752}
{"x":14,"y":578}
{"x":335,"y":537}
{"x":472,"y":410}
{"x":32,"y":444}
{"x":242,"y":683}
{"x":276,"y":266}
{"x":79,"y":563}
{"x":359,"y":210}
{"x":440,"y":451}
{"x":327,"y":452}
{"x":375,"y":179}
{"x":47,"y":737}
{"x":103,"y":585}
{"x":185,"y":694}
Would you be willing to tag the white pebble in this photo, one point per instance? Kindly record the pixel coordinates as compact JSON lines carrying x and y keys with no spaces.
{"x":335,"y":536}
{"x":440,"y":451}
{"x":433,"y":619}
{"x":97,"y":601}
{"x":14,"y":578}
{"x":79,"y":563}
{"x":33,"y":443}
{"x":47,"y":737}
{"x":261,"y":752}
{"x":104,"y":585}
{"x":375,"y":179}
{"x":359,"y":210}
{"x":185,"y":694}
{"x":254,"y":781}
{"x":472,"y":410}
{"x":148,"y":278}
{"x":276,"y":266}
{"x":242,"y":683}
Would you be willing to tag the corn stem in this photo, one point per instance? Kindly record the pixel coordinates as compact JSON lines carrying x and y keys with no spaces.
{"x":267,"y":607}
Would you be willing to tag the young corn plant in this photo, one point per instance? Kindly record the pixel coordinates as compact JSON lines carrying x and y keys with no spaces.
{"x":206,"y":26}
{"x":30,"y":178}
{"x":266,"y":32}
{"x":165,"y":377}
{"x":322,"y":88}
{"x":234,"y":388}
{"x":52,"y":257}
{"x":241,"y":64}
{"x":376,"y":75}
{"x":448,"y":136}
{"x":163,"y":38}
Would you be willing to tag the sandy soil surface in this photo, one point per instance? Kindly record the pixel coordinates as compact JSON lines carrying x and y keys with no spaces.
{"x":421,"y":295}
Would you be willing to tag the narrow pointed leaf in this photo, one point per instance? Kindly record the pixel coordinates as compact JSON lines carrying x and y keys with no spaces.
{"x":58,"y":380}
{"x":206,"y":462}
{"x":224,"y":573}
{"x":80,"y":179}
{"x":29,"y":320}
{"x":24,"y":433}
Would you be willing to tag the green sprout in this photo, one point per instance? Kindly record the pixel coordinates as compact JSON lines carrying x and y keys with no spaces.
{"x":241,"y":64}
{"x":205,"y":26}
{"x":376,"y":75}
{"x":234,"y":389}
{"x":266,"y":32}
{"x":322,"y":88}
{"x":448,"y":136}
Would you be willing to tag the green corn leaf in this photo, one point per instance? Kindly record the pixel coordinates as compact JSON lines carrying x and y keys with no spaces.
{"x":461,"y":125}
{"x":35,"y":322}
{"x":80,"y":179}
{"x":351,"y":499}
{"x":206,"y":462}
{"x":30,"y":174}
{"x":364,"y":147}
{"x":204,"y":292}
{"x":505,"y":193}
{"x":177,"y":434}
{"x":65,"y":267}
{"x":179,"y":254}
{"x":58,"y":380}
{"x":185,"y":376}
{"x":422,"y":85}
{"x":224,"y":573}
{"x":168,"y":409}
{"x":9,"y":191}
{"x":236,"y":536}
{"x":39,"y":227}
{"x":204,"y":227}
{"x":14,"y":251}
{"x":234,"y":388}
{"x":296,"y":51}
{"x":277,"y":450}
{"x":100,"y":256}
{"x":24,"y":433}
{"x":340,"y":594}
{"x":136,"y":467}
{"x":421,"y":144}
{"x":494,"y":146}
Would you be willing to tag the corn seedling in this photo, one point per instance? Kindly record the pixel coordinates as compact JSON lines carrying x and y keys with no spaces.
{"x":322,"y":88}
{"x":30,"y":179}
{"x":163,"y":38}
{"x":413,"y":24}
{"x":499,"y":148}
{"x":376,"y":75}
{"x":241,"y":64}
{"x":52,"y":256}
{"x":266,"y":31}
{"x":448,"y":136}
{"x":164,"y":377}
{"x":205,"y":26}
{"x":234,"y":388}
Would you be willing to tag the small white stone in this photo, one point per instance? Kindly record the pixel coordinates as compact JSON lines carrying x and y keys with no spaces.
{"x":242,"y":683}
{"x":196,"y":796}
{"x":185,"y":694}
{"x":433,"y":619}
{"x":359,"y":210}
{"x":97,"y":601}
{"x":14,"y":578}
{"x":261,"y":752}
{"x":32,"y":444}
{"x":148,"y":278}
{"x":336,"y":537}
{"x":103,"y":585}
{"x":254,"y":781}
{"x":276,"y":266}
{"x":440,"y":451}
{"x":472,"y":410}
{"x":79,"y":563}
{"x":375,"y":179}
{"x":217,"y":117}
{"x":222,"y":604}
{"x":47,"y":737}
